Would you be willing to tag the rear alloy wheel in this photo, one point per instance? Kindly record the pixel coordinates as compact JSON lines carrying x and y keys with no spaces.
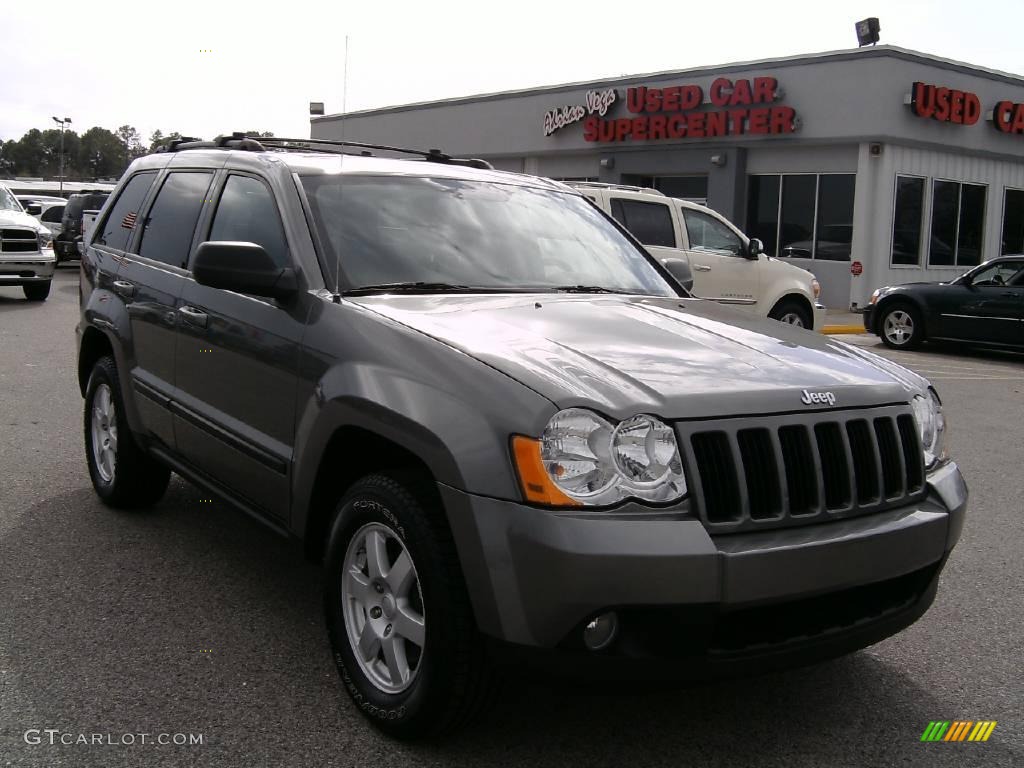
{"x":900,"y":327}
{"x":123,"y":475}
{"x":36,"y":291}
{"x":791,"y":313}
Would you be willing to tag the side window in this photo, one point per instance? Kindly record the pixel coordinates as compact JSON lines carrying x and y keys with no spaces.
{"x":650,"y":223}
{"x":171,"y":221}
{"x":53,"y":215}
{"x":120,"y":221}
{"x":709,"y":234}
{"x":247,"y":212}
{"x":1003,"y":273}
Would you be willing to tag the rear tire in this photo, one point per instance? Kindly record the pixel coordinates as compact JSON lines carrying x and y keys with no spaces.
{"x":900,"y":326}
{"x":442,"y":683}
{"x":36,"y":291}
{"x":122,"y":474}
{"x":792,"y":312}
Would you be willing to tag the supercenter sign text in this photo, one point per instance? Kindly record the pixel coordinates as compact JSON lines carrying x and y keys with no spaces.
{"x":737,"y":107}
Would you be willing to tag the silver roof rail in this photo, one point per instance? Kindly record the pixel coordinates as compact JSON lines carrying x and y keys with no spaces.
{"x":622,"y":187}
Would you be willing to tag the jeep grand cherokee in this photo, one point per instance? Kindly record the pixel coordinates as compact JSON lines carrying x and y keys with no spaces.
{"x":503,"y":426}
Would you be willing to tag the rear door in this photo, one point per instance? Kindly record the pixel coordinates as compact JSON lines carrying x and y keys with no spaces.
{"x":237,"y":361}
{"x":149,"y":281}
{"x":721,"y":272}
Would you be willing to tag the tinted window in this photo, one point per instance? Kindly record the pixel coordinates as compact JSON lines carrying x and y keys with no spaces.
{"x":906,"y":221}
{"x":53,"y":215}
{"x":171,"y":220}
{"x":120,"y":221}
{"x":247,"y":212}
{"x":708,"y":233}
{"x":835,"y":216}
{"x":763,"y":211}
{"x":1013,"y":222}
{"x":972,"y":222}
{"x":650,"y":223}
{"x":797,"y":228}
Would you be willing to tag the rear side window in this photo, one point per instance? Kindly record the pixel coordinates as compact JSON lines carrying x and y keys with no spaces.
{"x":650,"y":223}
{"x":247,"y":213}
{"x":120,"y":221}
{"x":171,"y":221}
{"x":53,"y":215}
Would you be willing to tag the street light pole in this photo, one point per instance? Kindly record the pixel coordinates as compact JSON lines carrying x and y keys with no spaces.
{"x":61,"y":123}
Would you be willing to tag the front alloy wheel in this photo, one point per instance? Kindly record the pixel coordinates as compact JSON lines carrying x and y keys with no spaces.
{"x":901,"y":327}
{"x":103,"y":426}
{"x":383,"y":607}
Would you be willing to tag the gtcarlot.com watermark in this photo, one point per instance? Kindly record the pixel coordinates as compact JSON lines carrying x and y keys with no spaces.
{"x":55,"y":736}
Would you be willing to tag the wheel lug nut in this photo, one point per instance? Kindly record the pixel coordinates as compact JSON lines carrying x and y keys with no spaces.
{"x":387,"y":630}
{"x":375,"y":612}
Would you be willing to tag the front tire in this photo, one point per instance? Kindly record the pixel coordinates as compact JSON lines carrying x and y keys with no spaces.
{"x":792,"y":312}
{"x":398,"y":615}
{"x":900,"y":326}
{"x":122,"y":474}
{"x":36,"y":291}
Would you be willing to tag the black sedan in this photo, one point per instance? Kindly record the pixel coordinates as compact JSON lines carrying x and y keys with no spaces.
{"x":985,"y":306}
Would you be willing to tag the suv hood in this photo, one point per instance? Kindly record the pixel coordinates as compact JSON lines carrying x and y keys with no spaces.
{"x":673,"y":357}
{"x":19,"y":219}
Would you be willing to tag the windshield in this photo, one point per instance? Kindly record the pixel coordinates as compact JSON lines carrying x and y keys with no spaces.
{"x":9,"y":202}
{"x":454,"y":232}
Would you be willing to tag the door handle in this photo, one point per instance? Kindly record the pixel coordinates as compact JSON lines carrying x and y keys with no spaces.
{"x":194,"y":316}
{"x":1014,"y":294}
{"x":701,"y":268}
{"x":124,"y":288}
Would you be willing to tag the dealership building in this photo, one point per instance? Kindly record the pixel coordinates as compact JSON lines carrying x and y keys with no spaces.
{"x":868,"y":167}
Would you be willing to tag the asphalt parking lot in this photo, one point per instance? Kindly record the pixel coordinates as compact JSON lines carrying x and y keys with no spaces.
{"x":191,"y":618}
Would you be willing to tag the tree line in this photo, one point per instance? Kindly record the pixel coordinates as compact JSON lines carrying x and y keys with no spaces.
{"x":95,"y":154}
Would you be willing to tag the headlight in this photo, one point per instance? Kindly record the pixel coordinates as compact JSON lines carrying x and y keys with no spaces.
{"x":874,"y":295}
{"x":582,"y":458}
{"x":816,"y":287}
{"x":45,"y":238}
{"x":931,"y":426}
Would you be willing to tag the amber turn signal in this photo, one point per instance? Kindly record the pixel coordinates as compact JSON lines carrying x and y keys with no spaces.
{"x":533,"y":478}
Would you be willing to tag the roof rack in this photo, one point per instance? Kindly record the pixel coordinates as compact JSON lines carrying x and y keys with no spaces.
{"x":242,"y":141}
{"x":623,"y":187}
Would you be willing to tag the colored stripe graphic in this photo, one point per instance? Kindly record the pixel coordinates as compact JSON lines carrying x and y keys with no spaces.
{"x":958,"y":730}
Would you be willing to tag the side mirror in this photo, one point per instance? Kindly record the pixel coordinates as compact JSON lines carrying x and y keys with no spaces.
{"x":754,"y":248}
{"x":680,"y":270}
{"x":243,"y":268}
{"x":34,"y":209}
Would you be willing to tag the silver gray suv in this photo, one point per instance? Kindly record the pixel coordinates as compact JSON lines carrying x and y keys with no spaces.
{"x":510,"y":433}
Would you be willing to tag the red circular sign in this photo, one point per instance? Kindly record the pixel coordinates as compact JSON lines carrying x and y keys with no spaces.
{"x":856,"y":268}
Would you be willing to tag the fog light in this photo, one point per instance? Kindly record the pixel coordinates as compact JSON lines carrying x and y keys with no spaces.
{"x":600,"y":631}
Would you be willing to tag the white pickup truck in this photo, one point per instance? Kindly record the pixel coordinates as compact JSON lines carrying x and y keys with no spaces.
{"x":727,"y":266}
{"x":26,"y":249}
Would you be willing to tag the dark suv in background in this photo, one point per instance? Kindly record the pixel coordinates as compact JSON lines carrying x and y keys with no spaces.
{"x":65,"y":245}
{"x":503,"y":425}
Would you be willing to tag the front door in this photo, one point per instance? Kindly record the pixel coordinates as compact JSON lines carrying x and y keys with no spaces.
{"x":988,"y":308}
{"x":237,"y":359}
{"x":721,"y":271}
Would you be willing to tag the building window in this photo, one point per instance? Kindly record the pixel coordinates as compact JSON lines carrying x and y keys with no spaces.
{"x":1013,"y":222}
{"x":807,"y":215}
{"x":692,"y":188}
{"x":569,"y":179}
{"x":958,"y":219}
{"x":907,"y":221}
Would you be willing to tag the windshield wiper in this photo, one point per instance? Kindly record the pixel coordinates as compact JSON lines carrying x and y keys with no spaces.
{"x":420,"y":285}
{"x":587,"y":289}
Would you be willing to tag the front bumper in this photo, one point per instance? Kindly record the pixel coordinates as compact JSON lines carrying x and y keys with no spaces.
{"x":820,"y":312}
{"x":536,"y":577}
{"x":869,"y":318}
{"x":28,"y":268}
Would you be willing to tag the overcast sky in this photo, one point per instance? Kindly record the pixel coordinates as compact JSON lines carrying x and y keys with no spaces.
{"x":107,"y":62}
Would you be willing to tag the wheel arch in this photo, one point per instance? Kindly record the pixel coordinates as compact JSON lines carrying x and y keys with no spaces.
{"x":796,"y":298}
{"x":95,"y":344}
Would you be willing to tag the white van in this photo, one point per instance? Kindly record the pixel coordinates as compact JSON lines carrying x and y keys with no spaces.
{"x":727,"y":266}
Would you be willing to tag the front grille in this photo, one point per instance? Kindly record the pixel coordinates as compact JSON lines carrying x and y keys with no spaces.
{"x":778,"y":471}
{"x":18,"y":241}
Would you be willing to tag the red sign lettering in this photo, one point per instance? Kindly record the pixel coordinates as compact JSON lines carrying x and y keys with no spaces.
{"x":947,"y":105}
{"x":1008,"y":117}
